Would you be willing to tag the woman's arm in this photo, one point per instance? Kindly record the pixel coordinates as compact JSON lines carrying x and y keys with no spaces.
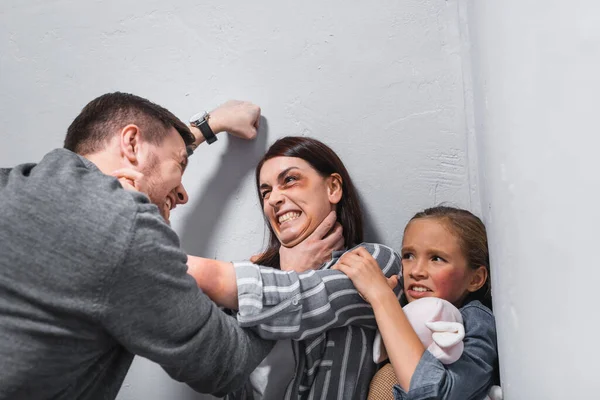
{"x":287,"y":305}
{"x":217,"y":279}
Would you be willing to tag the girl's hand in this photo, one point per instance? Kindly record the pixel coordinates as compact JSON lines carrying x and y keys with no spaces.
{"x":131,"y":179}
{"x":365,"y":273}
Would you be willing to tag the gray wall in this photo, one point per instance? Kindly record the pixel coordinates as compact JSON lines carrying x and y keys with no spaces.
{"x":381,"y":82}
{"x":536,"y":87}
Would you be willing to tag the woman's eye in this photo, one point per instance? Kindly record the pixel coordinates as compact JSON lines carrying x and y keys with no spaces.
{"x":437,"y":259}
{"x":289,"y":179}
{"x":407,"y":256}
{"x":265,"y":194}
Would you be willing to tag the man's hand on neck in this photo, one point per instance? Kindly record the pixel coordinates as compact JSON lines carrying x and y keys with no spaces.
{"x":316,"y":249}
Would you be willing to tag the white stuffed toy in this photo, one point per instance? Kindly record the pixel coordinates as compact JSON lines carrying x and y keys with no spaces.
{"x":440,"y":327}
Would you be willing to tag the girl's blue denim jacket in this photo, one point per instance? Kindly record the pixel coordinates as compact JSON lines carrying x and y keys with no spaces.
{"x":468,"y":378}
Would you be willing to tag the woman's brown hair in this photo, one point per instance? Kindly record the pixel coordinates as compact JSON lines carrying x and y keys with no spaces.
{"x":325,"y":162}
{"x":471,"y":233}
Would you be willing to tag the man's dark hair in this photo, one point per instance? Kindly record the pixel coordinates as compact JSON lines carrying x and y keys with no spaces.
{"x":102,"y":117}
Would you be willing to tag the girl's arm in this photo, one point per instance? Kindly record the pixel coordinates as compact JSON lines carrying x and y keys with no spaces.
{"x":403,"y":346}
{"x":425,"y":377}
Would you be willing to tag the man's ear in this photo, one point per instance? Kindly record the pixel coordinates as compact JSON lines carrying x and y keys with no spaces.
{"x":478,"y":278}
{"x":334,"y":188}
{"x":129,"y":141}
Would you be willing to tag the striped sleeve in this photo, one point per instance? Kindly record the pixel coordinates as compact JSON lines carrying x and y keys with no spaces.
{"x":287,"y":305}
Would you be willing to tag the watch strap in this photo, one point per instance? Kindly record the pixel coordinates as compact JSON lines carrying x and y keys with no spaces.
{"x":207,"y":132}
{"x":201,"y":122}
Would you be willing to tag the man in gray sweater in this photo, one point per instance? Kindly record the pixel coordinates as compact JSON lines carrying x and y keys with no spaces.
{"x":91,"y":274}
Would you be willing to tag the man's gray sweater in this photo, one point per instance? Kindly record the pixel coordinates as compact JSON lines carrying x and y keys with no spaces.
{"x":90,"y":274}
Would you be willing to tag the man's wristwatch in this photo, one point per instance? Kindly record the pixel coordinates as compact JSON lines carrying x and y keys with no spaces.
{"x":200,"y":121}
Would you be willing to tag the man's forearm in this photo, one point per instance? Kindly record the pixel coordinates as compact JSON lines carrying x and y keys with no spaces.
{"x":239,"y":118}
{"x":216,"y":126}
{"x":216,"y":279}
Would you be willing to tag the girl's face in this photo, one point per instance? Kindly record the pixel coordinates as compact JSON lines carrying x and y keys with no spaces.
{"x":296,"y":198}
{"x":434,"y":264}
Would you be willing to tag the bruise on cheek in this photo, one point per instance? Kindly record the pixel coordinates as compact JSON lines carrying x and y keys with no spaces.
{"x":449,"y":282}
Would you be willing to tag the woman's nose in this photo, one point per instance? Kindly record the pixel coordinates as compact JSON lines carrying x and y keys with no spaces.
{"x":276,"y":198}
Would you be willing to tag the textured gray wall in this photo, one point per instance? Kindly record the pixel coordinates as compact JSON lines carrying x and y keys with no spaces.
{"x":381,"y":82}
{"x":536,"y":87}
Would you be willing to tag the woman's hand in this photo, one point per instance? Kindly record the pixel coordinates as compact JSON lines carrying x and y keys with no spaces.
{"x":363,"y":270}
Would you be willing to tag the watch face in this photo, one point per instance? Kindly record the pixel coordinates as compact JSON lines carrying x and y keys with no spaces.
{"x":198,"y":117}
